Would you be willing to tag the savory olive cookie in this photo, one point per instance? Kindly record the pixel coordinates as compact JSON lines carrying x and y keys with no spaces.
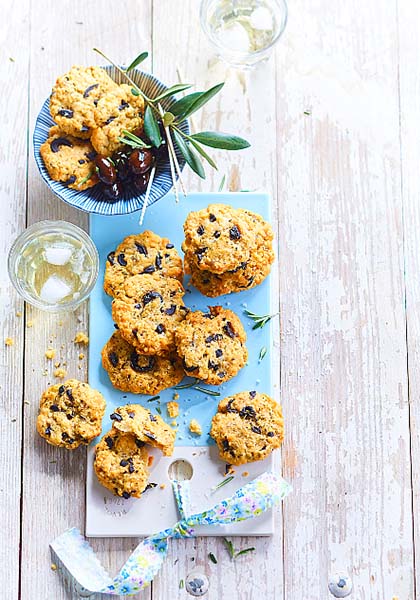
{"x":146,"y":427}
{"x":212,"y":345}
{"x":247,"y":427}
{"x":69,"y":160}
{"x":146,"y":253}
{"x":138,"y":373}
{"x":115,"y":112}
{"x":121,"y":464}
{"x":75,"y":96}
{"x":70,"y":414}
{"x":147,"y":311}
{"x":217,"y":238}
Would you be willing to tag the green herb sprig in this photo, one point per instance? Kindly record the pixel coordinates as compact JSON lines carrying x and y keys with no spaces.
{"x":222,"y":483}
{"x":194,"y":385}
{"x":189,"y":146}
{"x":259,"y":320}
{"x":212,"y":558}
{"x":235,"y":553}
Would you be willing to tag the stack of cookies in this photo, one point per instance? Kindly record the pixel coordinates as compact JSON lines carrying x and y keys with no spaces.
{"x":227,"y":249}
{"x":91,"y":112}
{"x":144,"y":277}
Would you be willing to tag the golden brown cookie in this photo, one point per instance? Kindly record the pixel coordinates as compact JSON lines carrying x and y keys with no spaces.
{"x":115,"y":112}
{"x":247,"y":427}
{"x":121,"y":464}
{"x":147,"y":310}
{"x":70,"y":414}
{"x":145,"y":252}
{"x":137,"y":373}
{"x":148,"y":428}
{"x":69,"y":160}
{"x":75,"y":96}
{"x":247,"y":274}
{"x":212,"y":345}
{"x":217,"y":238}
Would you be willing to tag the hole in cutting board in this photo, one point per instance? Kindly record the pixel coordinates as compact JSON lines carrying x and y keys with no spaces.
{"x":180,"y":469}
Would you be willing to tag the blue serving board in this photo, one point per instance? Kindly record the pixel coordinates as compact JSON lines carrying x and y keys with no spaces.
{"x":166,"y":218}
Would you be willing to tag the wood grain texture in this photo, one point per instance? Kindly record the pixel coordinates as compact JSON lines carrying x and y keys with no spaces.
{"x":345,"y":178}
{"x":13,"y":150}
{"x":240,"y":108}
{"x":408,"y":18}
{"x":344,"y":354}
{"x":53,"y":479}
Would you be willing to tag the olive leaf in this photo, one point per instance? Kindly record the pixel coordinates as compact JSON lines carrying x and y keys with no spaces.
{"x":191,"y":157}
{"x":202,"y":99}
{"x":203,"y":153}
{"x":224,"y":141}
{"x":174,"y":89}
{"x":151,"y":128}
{"x":132,"y":140}
{"x":180,"y":106}
{"x":140,"y":58}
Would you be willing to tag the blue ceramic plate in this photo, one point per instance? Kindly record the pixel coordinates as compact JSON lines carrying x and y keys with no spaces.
{"x":90,"y":200}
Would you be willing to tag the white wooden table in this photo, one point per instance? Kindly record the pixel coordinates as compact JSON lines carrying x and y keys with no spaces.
{"x":346,"y":182}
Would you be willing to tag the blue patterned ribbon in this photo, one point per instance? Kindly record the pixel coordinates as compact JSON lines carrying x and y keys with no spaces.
{"x":76,"y":554}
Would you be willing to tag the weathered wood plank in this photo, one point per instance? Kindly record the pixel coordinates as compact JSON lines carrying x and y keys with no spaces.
{"x":63,"y":34}
{"x":409,"y":79}
{"x":342,"y":296}
{"x":13,"y":148}
{"x":245,"y":106}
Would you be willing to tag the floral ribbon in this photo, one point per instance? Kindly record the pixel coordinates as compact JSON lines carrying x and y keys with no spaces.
{"x":76,"y":554}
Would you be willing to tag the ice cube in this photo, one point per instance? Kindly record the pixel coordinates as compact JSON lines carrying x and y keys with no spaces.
{"x":58,"y":254}
{"x":236,"y":38}
{"x":54,"y":290}
{"x":261,"y":19}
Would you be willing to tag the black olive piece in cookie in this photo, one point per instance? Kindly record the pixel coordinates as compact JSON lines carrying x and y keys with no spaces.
{"x":147,"y":310}
{"x":247,"y":427}
{"x":74,"y":98}
{"x":130,"y":371}
{"x":217,"y":238}
{"x":70,"y":414}
{"x":69,"y":160}
{"x":148,"y":428}
{"x":212,"y":345}
{"x":144,"y":253}
{"x":121,"y":464}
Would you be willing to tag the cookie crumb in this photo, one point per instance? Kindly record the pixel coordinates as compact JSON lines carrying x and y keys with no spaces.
{"x":81,"y":356}
{"x":18,"y":313}
{"x":50,"y":353}
{"x":176,"y":396}
{"x":9,"y":341}
{"x":45,"y":372}
{"x":195,"y":427}
{"x":173,"y":409}
{"x":162,"y":486}
{"x":150,"y":461}
{"x":30,"y":324}
{"x":81,"y":338}
{"x":245,"y":474}
{"x":53,"y":567}
{"x":174,"y":424}
{"x":60,"y":373}
{"x":57,"y":364}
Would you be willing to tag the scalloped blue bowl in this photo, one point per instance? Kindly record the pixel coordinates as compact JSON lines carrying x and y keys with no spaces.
{"x":90,"y":200}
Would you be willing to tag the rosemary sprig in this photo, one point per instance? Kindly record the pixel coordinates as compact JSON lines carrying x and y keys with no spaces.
{"x":263,"y":352}
{"x":194,"y":385}
{"x":153,"y":398}
{"x":222,"y":483}
{"x":259,"y":320}
{"x":222,"y":183}
{"x":235,"y":553}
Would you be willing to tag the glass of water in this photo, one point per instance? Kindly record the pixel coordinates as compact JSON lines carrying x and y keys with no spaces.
{"x":243,"y":31}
